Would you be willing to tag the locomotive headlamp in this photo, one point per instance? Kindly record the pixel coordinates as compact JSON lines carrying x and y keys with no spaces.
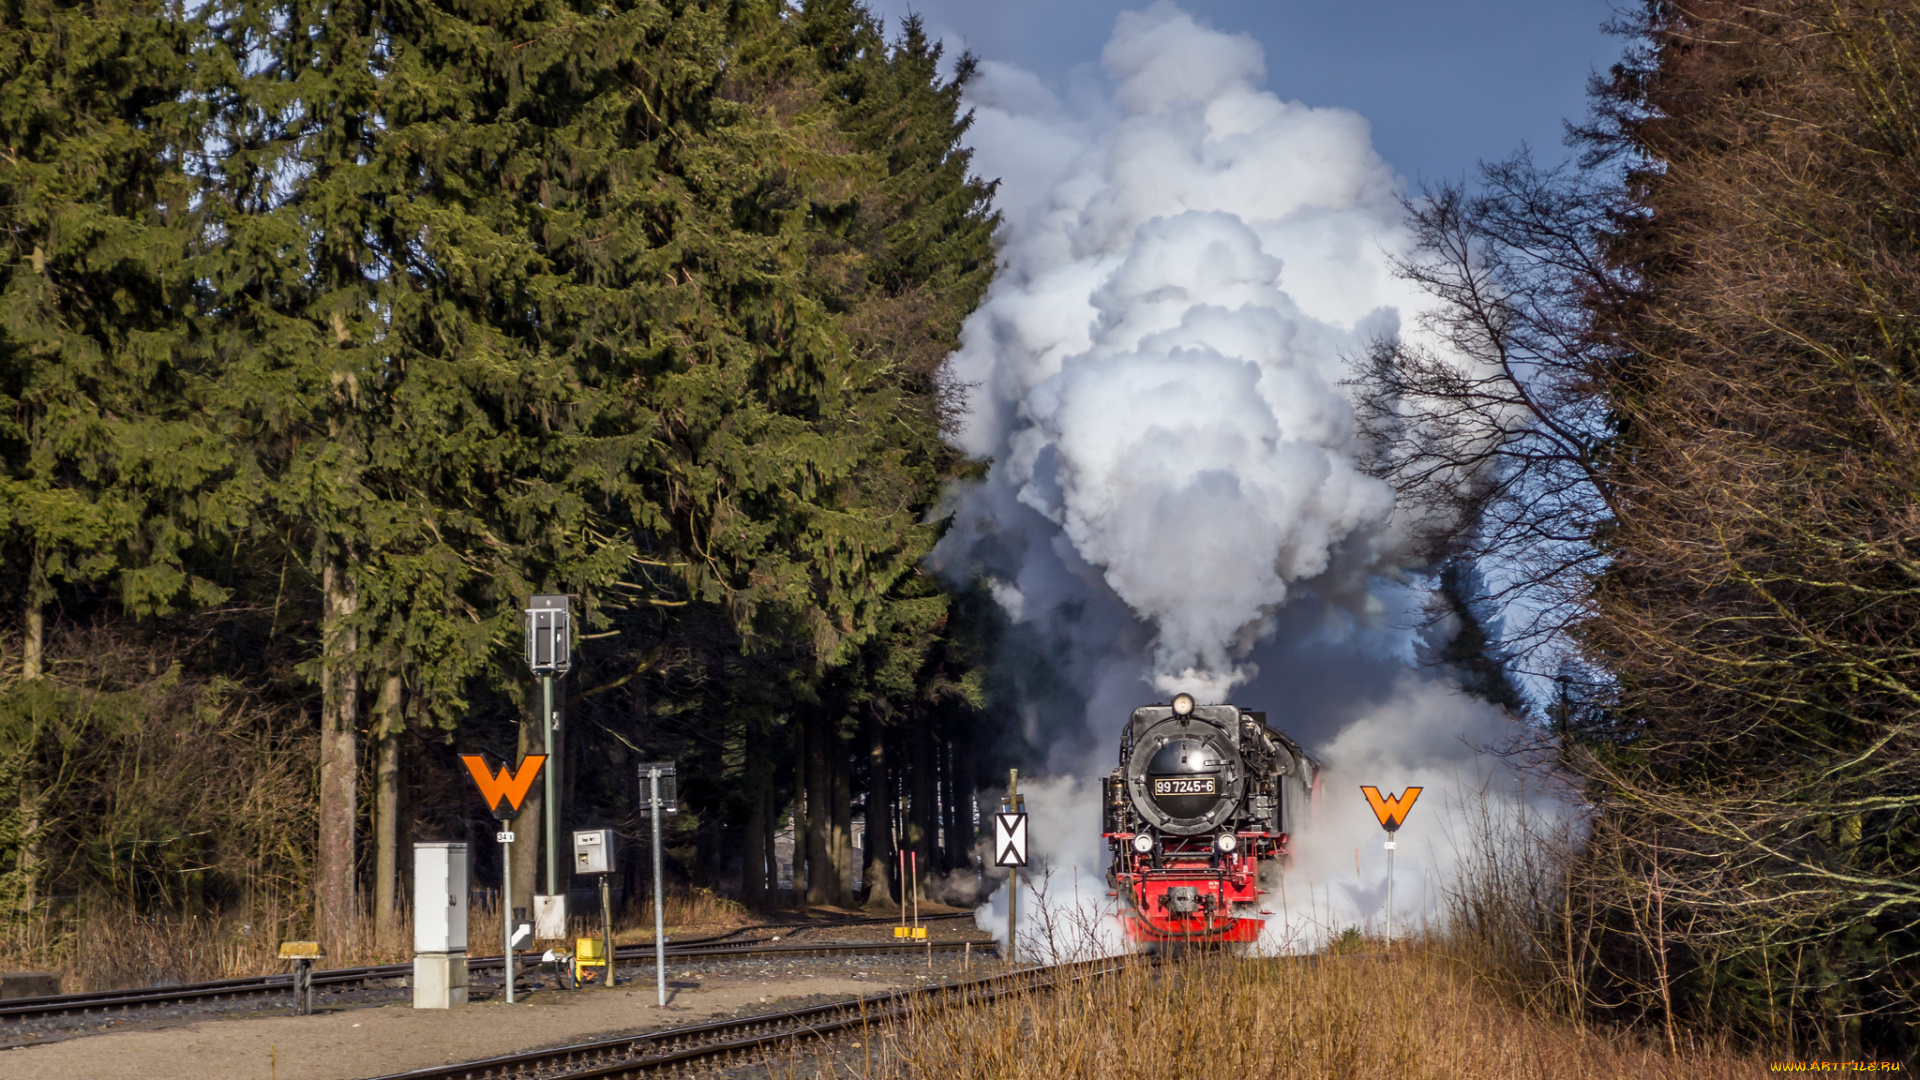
{"x":1183,"y":704}
{"x":1142,"y":843}
{"x":1227,"y":842}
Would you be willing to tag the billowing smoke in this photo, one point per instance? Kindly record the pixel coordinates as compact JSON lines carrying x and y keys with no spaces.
{"x":1157,"y":372}
{"x":1176,"y":499}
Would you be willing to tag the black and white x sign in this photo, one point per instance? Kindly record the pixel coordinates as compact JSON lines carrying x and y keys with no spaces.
{"x":1009,"y":839}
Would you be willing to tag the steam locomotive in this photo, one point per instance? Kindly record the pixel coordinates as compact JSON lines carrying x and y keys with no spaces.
{"x":1200,"y":817}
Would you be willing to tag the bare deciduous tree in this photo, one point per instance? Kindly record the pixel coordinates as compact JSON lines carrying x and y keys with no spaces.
{"x":1678,"y":417}
{"x":1489,"y":421}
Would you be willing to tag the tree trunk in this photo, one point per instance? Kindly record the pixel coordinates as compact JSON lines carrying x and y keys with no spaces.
{"x":336,"y":899}
{"x":961,"y":839}
{"x":841,"y":839}
{"x":754,"y":885}
{"x":821,"y":876}
{"x":921,"y":815}
{"x":879,"y":819}
{"x":770,"y":823}
{"x":799,"y":882}
{"x":388,"y":788}
{"x":527,"y":826}
{"x":948,"y":808}
{"x":33,"y":641}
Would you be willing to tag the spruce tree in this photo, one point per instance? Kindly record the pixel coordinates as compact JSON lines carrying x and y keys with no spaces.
{"x":107,"y":473}
{"x":105,"y":460}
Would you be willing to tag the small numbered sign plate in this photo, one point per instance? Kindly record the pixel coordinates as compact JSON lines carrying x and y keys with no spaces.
{"x":504,"y":837}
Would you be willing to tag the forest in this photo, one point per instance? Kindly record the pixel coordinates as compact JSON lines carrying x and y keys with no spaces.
{"x":1671,"y":414}
{"x":329,"y":334}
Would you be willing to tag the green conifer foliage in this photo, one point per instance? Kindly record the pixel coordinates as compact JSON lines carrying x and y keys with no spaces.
{"x":106,"y":467}
{"x":381,"y":315}
{"x":108,"y":476}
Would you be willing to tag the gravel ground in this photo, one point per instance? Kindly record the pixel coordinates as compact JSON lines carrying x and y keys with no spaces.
{"x":372,"y":1041}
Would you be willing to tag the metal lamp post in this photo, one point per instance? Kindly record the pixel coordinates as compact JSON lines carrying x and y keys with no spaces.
{"x":550,"y":654}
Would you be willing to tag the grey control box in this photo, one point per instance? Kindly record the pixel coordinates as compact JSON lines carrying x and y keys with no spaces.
{"x":593,"y":851}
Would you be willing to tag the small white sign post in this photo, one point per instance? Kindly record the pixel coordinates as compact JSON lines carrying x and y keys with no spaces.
{"x":1010,"y":850}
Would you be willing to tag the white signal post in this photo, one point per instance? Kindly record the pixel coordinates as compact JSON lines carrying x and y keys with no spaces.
{"x":659,"y":896}
{"x":1010,"y":850}
{"x":505,"y":836}
{"x":654,"y":772}
{"x":550,"y":656}
{"x":1391,"y":886}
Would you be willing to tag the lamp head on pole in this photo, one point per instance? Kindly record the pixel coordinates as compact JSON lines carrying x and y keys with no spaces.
{"x":550,"y":634}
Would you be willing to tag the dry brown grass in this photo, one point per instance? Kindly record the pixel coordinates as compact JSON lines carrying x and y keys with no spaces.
{"x":698,"y":912}
{"x":107,"y":948}
{"x":689,"y":913}
{"x":110,"y":948}
{"x":1410,"y":1012}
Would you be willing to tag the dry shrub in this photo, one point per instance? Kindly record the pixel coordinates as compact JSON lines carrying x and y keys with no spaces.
{"x":109,"y":948}
{"x":154,"y":824}
{"x":1409,"y":1012}
{"x":1509,"y":912}
{"x":689,"y":912}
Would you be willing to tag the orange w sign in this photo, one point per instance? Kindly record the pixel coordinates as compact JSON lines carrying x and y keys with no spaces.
{"x":505,"y":790}
{"x":1391,"y":810}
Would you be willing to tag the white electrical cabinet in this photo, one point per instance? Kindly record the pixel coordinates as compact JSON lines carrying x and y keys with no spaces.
{"x":593,"y":851}
{"x":439,"y":926}
{"x":439,"y":898}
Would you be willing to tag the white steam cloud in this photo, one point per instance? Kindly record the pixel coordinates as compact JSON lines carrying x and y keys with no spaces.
{"x":1157,"y":370}
{"x":1176,"y":499}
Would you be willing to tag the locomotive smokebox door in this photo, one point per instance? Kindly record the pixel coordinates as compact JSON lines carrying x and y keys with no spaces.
{"x":1185,"y":774}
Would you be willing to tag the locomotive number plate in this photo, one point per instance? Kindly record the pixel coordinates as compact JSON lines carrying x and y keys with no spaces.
{"x":1198,"y":785}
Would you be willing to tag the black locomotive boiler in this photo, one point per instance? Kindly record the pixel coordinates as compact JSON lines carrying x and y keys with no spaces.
{"x":1206,"y":798}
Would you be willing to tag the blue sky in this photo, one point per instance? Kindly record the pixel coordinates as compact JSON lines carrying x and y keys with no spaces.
{"x":1445,"y":83}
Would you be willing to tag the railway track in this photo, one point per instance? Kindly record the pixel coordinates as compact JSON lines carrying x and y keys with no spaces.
{"x":748,"y":1040}
{"x":735,"y":944}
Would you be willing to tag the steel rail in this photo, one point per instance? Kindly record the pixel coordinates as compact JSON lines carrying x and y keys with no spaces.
{"x":655,"y":1051}
{"x":20,"y":1010}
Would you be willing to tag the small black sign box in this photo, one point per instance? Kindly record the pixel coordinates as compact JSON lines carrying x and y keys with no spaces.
{"x":1009,"y":839}
{"x":669,"y":789}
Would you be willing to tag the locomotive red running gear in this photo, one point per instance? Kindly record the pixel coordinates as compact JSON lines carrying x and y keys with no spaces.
{"x":1202,"y":808}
